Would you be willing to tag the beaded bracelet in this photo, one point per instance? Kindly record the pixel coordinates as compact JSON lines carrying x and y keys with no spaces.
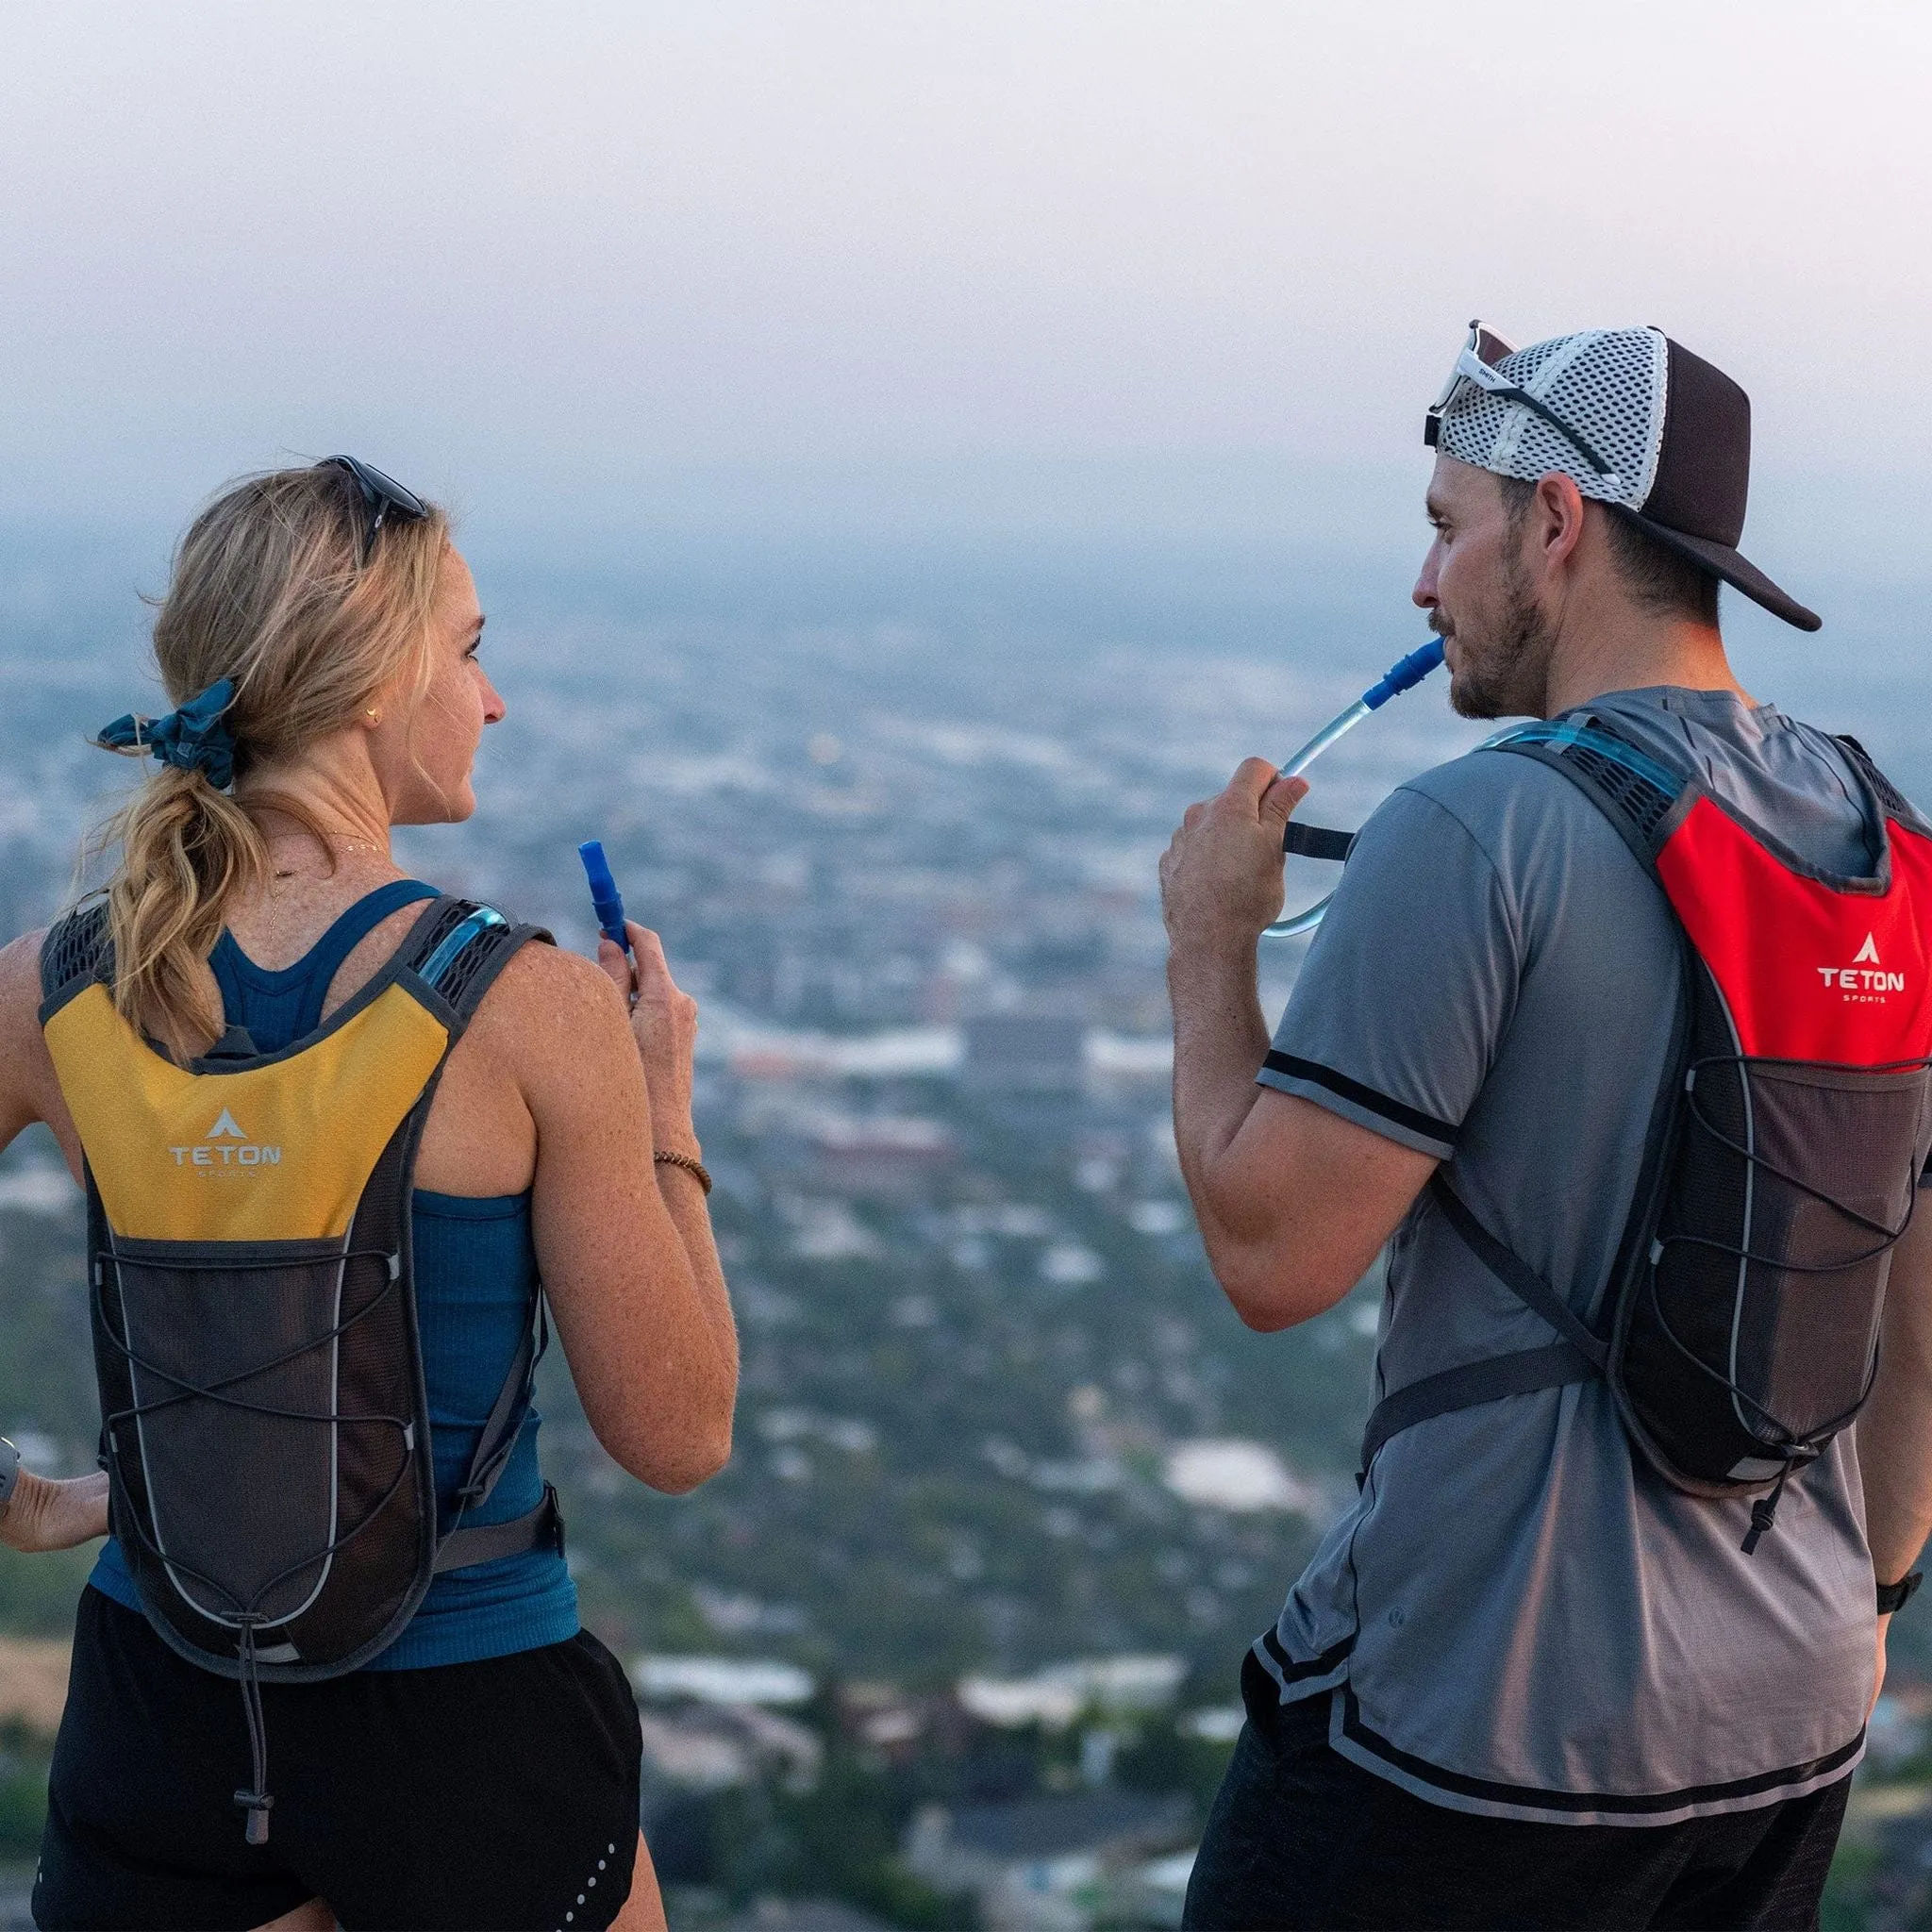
{"x":690,"y":1164}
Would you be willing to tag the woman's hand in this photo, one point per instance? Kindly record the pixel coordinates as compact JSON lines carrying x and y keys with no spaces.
{"x":664,"y":1023}
{"x":44,"y":1514}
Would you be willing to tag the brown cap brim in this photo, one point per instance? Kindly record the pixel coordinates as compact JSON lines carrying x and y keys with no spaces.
{"x":1721,"y":560}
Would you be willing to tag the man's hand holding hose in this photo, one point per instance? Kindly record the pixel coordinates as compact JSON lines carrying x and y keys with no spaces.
{"x":1221,"y":882}
{"x":1221,"y":875}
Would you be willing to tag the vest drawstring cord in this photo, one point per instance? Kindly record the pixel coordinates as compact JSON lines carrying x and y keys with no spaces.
{"x":1764,"y":1513}
{"x":256,"y":1803}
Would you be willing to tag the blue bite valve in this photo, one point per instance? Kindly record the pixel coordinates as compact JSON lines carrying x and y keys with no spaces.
{"x":604,"y":897}
{"x":1403,"y":675}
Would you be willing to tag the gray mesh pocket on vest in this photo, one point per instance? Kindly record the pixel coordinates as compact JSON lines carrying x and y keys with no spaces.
{"x":1758,"y":1325}
{"x":242,"y":1421}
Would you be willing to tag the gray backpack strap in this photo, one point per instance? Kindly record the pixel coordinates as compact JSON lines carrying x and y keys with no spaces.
{"x":1579,"y":1356}
{"x":1890,"y":799}
{"x":465,"y":1543}
{"x":1642,"y":800}
{"x":505,"y":1420}
{"x":457,"y":950}
{"x":458,"y":947}
{"x":77,"y":952}
{"x":486,"y":1543}
{"x":1516,"y":1274}
{"x":1488,"y":1380}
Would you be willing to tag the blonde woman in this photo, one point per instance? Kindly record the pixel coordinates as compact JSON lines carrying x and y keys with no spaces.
{"x":321,"y":638}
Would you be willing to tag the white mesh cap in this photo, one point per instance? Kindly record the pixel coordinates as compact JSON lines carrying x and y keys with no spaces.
{"x":1611,"y":385}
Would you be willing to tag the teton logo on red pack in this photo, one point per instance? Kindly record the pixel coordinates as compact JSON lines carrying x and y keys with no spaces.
{"x":1865,"y":979}
{"x":226,"y":1145}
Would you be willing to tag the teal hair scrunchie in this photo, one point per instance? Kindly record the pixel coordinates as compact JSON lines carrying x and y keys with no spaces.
{"x":191,"y":739}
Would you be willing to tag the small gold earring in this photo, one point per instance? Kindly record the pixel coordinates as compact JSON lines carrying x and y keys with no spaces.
{"x":373,"y":717}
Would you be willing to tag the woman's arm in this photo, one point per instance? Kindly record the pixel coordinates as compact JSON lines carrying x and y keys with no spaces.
{"x":664,"y":1023}
{"x":29,"y":1090}
{"x":648,"y":1335}
{"x":41,"y":1513}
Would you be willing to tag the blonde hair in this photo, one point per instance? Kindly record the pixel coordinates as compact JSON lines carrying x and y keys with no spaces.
{"x":267,"y":589}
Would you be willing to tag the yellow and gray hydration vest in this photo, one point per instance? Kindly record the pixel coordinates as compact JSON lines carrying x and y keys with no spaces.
{"x":264,"y":1425}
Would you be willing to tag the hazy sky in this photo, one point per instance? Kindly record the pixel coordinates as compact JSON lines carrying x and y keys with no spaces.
{"x":528,"y":252}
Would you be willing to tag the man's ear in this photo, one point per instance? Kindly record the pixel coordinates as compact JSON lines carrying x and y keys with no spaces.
{"x":1557,"y":520}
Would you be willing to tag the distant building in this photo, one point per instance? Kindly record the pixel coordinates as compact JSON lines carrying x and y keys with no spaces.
{"x":1026,"y":1052}
{"x":710,"y":1747}
{"x":693,"y":1752}
{"x":1057,"y":1696}
{"x":1239,"y":1476}
{"x":729,"y":1680}
{"x":1050,"y":1864}
{"x":884,"y":1158}
{"x":1126,"y":1063}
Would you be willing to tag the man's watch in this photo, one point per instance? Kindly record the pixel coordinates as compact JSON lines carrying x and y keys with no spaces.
{"x":1891,"y":1596}
{"x":9,"y":1472}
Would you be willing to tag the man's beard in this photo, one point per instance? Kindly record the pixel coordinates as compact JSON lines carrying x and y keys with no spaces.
{"x":1509,"y":675}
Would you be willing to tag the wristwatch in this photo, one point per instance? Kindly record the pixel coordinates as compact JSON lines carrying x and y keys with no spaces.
{"x":9,"y":1472}
{"x":1891,"y":1596}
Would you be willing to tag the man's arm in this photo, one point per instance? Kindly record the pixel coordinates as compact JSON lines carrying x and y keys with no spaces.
{"x":1294,"y":1202}
{"x":1895,"y":1425}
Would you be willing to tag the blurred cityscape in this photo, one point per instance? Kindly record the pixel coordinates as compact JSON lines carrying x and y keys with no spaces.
{"x":954,"y":1641}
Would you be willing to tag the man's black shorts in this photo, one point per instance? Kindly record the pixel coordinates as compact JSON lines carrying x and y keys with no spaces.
{"x":501,"y":1793}
{"x":1301,"y":1837}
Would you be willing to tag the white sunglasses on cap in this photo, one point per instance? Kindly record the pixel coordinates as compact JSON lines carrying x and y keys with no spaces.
{"x":1476,"y":364}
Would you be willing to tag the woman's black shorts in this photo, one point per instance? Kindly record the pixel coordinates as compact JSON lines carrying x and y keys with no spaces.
{"x":500,"y":1794}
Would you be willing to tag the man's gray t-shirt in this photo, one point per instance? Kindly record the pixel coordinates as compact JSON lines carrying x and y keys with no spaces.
{"x":1518,"y":1616}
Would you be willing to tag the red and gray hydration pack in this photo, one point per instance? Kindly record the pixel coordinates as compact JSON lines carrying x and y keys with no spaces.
{"x":1740,"y":1332}
{"x":265,"y":1423}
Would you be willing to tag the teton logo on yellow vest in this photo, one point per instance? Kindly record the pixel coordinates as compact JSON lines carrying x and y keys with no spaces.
{"x":226,"y":1145}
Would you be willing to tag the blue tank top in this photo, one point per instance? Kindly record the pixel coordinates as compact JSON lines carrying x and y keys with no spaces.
{"x":475,"y":1265}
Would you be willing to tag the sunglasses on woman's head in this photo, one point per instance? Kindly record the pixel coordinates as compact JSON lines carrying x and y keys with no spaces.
{"x":383,"y":497}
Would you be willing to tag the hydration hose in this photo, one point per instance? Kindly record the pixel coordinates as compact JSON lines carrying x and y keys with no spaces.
{"x":1403,"y":675}
{"x":605,"y":901}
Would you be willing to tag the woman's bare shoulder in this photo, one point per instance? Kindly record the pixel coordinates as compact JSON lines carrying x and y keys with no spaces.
{"x":538,"y":974}
{"x":20,"y":979}
{"x":548,"y":999}
{"x":28,"y":1090}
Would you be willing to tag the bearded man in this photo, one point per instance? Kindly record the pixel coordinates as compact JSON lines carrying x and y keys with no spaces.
{"x":1527,"y":1680}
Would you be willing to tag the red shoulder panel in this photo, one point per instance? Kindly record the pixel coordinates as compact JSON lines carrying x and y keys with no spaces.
{"x":1809,"y":973}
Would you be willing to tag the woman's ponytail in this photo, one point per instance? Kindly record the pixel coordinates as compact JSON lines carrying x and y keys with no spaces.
{"x":186,"y":850}
{"x":276,"y":631}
